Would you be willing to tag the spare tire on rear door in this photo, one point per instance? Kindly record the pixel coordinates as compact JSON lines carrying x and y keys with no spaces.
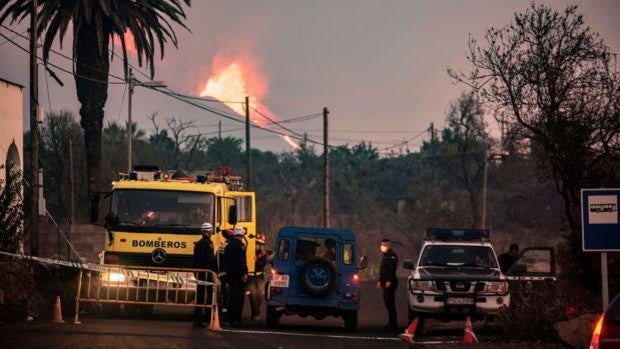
{"x":318,"y":276}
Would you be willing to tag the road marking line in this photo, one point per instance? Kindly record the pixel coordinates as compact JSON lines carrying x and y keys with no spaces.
{"x":331,"y":336}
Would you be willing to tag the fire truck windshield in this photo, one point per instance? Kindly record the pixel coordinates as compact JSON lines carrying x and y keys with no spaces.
{"x":162,"y":208}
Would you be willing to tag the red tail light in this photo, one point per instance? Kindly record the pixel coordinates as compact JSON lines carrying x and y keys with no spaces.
{"x":596,"y":335}
{"x":356,"y":277}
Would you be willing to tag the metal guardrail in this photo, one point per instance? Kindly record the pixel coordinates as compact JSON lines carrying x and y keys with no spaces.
{"x":137,"y":285}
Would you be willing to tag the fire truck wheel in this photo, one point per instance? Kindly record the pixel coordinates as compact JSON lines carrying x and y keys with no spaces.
{"x":111,"y":310}
{"x":318,"y":276}
{"x":130,"y":309}
{"x":145,"y":310}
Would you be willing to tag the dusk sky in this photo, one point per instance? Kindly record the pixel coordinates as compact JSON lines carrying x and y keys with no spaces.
{"x":379,"y":66}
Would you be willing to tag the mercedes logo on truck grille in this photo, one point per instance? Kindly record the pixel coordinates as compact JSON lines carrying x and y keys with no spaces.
{"x":159,"y":255}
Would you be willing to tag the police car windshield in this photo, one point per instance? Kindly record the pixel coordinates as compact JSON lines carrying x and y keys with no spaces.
{"x":163,"y":208}
{"x":459,"y":256}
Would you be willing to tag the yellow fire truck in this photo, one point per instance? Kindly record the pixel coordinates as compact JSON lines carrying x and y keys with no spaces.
{"x":153,"y":218}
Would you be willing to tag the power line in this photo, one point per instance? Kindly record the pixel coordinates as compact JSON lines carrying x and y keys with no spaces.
{"x":406,"y":141}
{"x":282,"y":127}
{"x":59,"y":67}
{"x":14,"y":37}
{"x":120,"y":109}
{"x":75,"y":61}
{"x":235,"y":118}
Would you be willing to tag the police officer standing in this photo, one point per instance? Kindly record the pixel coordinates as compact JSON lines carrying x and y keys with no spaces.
{"x":256,"y":281}
{"x":237,"y":275}
{"x":388,"y":282}
{"x":204,"y":258}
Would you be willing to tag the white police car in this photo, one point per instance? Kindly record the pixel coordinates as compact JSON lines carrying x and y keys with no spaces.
{"x":457,"y":275}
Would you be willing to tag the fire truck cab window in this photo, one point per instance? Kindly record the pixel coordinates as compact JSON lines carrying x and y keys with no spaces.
{"x":244,"y":208}
{"x":162,"y":207}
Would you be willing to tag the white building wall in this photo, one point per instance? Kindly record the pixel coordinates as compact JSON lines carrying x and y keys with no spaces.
{"x":11,"y":122}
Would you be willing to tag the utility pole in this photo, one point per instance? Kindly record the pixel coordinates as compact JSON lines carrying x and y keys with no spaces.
{"x":129,"y":131}
{"x":247,"y":142}
{"x":484,"y":188}
{"x":72,"y":195}
{"x":325,"y":169}
{"x":71,"y":180}
{"x":432,"y":129}
{"x":219,"y":130}
{"x":34,"y":133}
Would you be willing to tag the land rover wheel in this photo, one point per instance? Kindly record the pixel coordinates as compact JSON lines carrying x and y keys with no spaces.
{"x":318,"y":276}
{"x":350,"y":320}
{"x":273,"y":317}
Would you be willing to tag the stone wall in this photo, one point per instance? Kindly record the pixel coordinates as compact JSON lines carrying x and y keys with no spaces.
{"x":87,"y":239}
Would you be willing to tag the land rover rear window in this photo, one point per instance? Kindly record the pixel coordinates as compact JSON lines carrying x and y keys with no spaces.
{"x":283,"y":249}
{"x":347,"y":254}
{"x":308,"y":247}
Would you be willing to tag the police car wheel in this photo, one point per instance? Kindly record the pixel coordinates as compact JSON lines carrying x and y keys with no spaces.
{"x":411,"y":315}
{"x":318,"y":276}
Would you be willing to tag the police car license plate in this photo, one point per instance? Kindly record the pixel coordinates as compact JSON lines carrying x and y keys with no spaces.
{"x":459,"y":301}
{"x":279,"y":280}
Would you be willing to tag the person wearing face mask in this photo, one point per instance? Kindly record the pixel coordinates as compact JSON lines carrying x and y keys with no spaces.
{"x":388,"y":282}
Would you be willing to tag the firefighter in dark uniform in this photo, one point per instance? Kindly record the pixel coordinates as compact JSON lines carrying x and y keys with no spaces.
{"x":256,"y":281}
{"x":236,"y":270}
{"x":388,"y":282}
{"x":204,"y":258}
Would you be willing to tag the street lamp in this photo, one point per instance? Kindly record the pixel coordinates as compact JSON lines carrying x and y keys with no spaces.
{"x":131,"y":82}
{"x":487,"y":158}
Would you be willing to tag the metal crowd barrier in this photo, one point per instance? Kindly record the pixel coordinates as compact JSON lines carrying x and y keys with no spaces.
{"x":138,"y":285}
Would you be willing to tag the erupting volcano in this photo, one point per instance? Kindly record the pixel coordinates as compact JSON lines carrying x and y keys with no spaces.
{"x":232,"y":80}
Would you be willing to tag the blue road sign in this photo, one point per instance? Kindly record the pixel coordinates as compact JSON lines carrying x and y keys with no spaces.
{"x":599,"y":219}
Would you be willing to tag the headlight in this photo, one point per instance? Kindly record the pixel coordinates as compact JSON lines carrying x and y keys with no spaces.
{"x":114,"y":277}
{"x":420,"y":285}
{"x":496,"y":287}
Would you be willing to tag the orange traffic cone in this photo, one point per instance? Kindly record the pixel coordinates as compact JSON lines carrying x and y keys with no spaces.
{"x":409,"y":333}
{"x":469,"y":336}
{"x":215,"y":320}
{"x":58,"y":311}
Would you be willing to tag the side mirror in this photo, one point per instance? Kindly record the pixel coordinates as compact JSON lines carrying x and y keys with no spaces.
{"x":94,"y":207}
{"x":408,"y":264}
{"x":517,"y":269}
{"x":110,"y":220}
{"x":363,"y":262}
{"x":232,"y":214}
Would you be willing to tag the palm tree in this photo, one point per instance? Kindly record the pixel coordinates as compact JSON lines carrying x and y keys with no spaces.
{"x":95,"y":23}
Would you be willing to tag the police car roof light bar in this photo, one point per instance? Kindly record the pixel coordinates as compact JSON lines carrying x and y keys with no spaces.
{"x":457,"y":234}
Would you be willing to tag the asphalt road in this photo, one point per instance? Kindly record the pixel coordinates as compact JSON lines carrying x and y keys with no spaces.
{"x":171,"y":328}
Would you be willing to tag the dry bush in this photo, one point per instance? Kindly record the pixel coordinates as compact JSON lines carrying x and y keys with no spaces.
{"x":30,"y":289}
{"x":532,"y":320}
